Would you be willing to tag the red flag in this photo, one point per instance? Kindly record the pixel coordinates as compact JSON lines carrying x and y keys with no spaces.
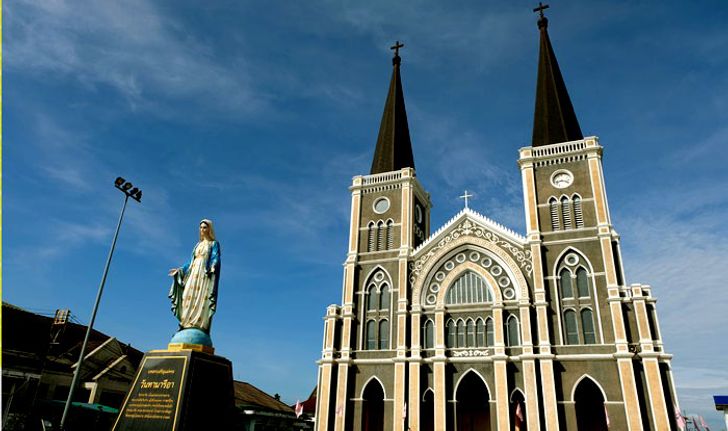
{"x":606,"y":414}
{"x":705,"y":425}
{"x":299,"y":409}
{"x":519,"y":417}
{"x":680,"y":419}
{"x":340,"y":410}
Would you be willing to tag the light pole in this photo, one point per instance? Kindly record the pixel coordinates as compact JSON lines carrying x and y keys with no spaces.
{"x":129,"y":192}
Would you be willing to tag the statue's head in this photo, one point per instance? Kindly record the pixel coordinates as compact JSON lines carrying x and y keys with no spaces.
{"x":206,"y":230}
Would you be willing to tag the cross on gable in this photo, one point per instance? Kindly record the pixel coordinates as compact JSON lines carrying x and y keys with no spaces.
{"x":466,"y":196}
{"x":541,"y":7}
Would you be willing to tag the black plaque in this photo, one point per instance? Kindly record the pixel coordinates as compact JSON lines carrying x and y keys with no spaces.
{"x":178,"y":391}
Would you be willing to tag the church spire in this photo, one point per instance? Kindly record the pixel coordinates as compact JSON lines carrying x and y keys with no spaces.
{"x":554,"y":119}
{"x":394,"y":149}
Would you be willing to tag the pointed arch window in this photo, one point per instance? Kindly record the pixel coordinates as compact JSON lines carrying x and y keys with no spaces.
{"x":471,"y":333}
{"x":384,"y":297}
{"x":554,"y":208}
{"x":372,"y":243}
{"x":577,"y":301}
{"x":489,"y":332}
{"x":429,"y":334}
{"x":372,"y":299}
{"x":390,"y":236}
{"x":572,"y":332}
{"x":512,"y":331}
{"x":371,"y":335}
{"x":451,"y":334}
{"x":480,"y":333}
{"x":565,"y":279}
{"x":587,"y":323}
{"x":384,"y":335}
{"x":582,"y":283}
{"x":578,"y":216}
{"x":382,"y":236}
{"x":566,"y":212}
{"x":461,"y":334}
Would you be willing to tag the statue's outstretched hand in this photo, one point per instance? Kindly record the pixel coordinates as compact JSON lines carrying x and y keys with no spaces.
{"x":173,"y":272}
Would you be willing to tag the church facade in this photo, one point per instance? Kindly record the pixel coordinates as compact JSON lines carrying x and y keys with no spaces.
{"x":472,"y":326}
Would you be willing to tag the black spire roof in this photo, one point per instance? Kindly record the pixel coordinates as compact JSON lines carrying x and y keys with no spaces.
{"x":554,"y":119}
{"x":394,"y":148}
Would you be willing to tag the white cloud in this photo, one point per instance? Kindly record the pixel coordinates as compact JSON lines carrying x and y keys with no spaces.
{"x":129,"y":46}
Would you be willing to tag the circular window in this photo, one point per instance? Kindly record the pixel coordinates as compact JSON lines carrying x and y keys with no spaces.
{"x":497,"y":270}
{"x":474,"y":256}
{"x":460,"y":258}
{"x":487,"y":262}
{"x":431,"y":298}
{"x":381,"y":205}
{"x":562,"y":179}
{"x":504,"y":281}
{"x":379,"y":276}
{"x":439,"y":276}
{"x":509,"y":293}
{"x":449,"y":266}
{"x":571,"y":259}
{"x":434,"y":287}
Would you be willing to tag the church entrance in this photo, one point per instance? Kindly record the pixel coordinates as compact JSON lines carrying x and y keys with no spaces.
{"x":590,"y":415}
{"x":373,"y":414}
{"x":472,"y":409}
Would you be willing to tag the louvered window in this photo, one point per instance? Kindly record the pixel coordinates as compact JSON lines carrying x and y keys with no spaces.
{"x":565,"y":278}
{"x":382,"y":236}
{"x":566,"y":212}
{"x":489,"y":332}
{"x":578,"y":216}
{"x":371,"y":335}
{"x":429,"y":334}
{"x":451,"y":334}
{"x":384,"y":335}
{"x":582,"y":283}
{"x":480,"y":333}
{"x":372,"y":246}
{"x":390,"y":237}
{"x":512,"y":331}
{"x":554,"y":207}
{"x":572,"y":332}
{"x":587,"y":325}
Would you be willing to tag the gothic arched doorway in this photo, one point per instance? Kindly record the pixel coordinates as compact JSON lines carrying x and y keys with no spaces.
{"x":590,"y":413}
{"x":427,"y":412}
{"x":518,"y":411}
{"x":373,"y":414}
{"x":472,"y":406}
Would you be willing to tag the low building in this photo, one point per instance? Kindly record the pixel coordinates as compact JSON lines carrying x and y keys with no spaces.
{"x":258,"y":411}
{"x":40,"y":355}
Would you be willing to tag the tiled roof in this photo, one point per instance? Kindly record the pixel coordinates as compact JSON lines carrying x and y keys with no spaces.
{"x":248,"y":396}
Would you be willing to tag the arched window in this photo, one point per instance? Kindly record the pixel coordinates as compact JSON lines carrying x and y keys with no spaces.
{"x":372,"y":245}
{"x":582,"y":283}
{"x":384,"y":298}
{"x":371,"y":335}
{"x":578,"y":216}
{"x":566,"y":212}
{"x":470,"y":288}
{"x":471,"y":333}
{"x":381,"y":239}
{"x":451,"y":334}
{"x":480,"y":333}
{"x":461,"y":333}
{"x":429,"y":334}
{"x":554,"y":207}
{"x":565,"y":277}
{"x":489,"y":332}
{"x":384,"y":335}
{"x":512,"y":331}
{"x":390,"y":238}
{"x":572,"y":332}
{"x":372,"y":300}
{"x":587,"y":325}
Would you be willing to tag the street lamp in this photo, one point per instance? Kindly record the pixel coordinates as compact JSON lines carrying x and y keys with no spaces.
{"x":129,"y":192}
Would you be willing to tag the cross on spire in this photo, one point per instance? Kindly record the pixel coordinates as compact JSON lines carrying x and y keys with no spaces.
{"x":396,"y":48}
{"x":466,"y":196}
{"x":541,"y":7}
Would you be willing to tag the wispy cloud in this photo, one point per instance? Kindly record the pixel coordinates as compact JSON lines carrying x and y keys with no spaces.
{"x":147,"y":57}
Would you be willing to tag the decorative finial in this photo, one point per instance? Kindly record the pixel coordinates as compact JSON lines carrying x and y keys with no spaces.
{"x":542,"y":20}
{"x":397,"y":59}
{"x":466,"y":196}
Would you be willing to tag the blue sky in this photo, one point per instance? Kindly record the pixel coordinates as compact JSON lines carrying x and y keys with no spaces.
{"x":257,"y":115}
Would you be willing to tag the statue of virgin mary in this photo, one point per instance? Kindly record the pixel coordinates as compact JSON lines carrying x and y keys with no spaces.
{"x":194,"y":289}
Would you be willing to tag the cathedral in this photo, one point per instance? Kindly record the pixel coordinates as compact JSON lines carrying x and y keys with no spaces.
{"x":472,"y":326}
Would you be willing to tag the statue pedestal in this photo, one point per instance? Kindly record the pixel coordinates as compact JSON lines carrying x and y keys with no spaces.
{"x":179,"y":390}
